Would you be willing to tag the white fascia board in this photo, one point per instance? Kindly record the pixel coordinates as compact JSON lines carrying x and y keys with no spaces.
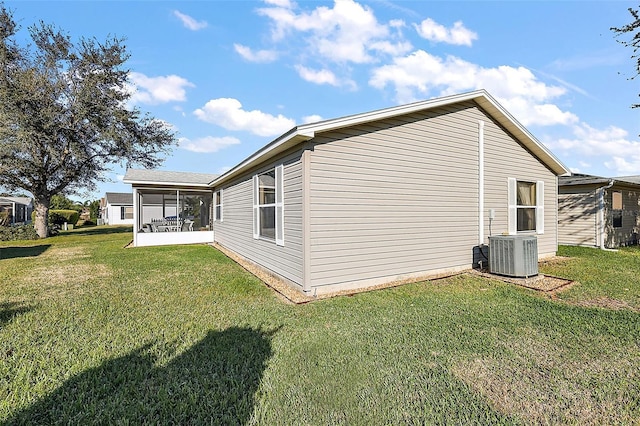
{"x":489,"y":104}
{"x":284,"y":142}
{"x":158,"y":183}
{"x":382,"y":114}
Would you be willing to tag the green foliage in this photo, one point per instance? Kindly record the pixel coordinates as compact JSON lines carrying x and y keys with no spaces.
{"x":65,"y":119}
{"x":91,"y":332}
{"x":60,"y":202}
{"x":633,"y":30}
{"x":59,"y":217}
{"x":16,"y":233}
{"x":94,"y":210}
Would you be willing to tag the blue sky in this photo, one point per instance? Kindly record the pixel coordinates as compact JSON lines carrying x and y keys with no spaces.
{"x":230,"y":76}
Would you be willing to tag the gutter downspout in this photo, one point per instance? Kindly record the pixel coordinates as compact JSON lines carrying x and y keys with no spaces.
{"x":601,"y":229}
{"x":480,"y":182}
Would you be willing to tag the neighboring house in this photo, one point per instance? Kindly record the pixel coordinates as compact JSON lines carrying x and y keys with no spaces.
{"x":596,"y":211}
{"x":19,"y":209}
{"x":116,"y":208}
{"x":390,"y":195}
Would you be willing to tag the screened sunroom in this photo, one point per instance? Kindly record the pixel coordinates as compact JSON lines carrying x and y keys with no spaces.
{"x":171,"y":212}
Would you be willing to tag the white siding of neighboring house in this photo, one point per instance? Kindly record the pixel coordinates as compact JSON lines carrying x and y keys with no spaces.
{"x":114,"y":215}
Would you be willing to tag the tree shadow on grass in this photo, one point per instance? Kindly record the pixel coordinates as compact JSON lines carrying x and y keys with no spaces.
{"x":213,"y":382}
{"x":31,"y":251}
{"x":9,"y":310}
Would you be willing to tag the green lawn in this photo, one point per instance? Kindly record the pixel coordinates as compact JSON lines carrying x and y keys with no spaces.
{"x":91,"y":332}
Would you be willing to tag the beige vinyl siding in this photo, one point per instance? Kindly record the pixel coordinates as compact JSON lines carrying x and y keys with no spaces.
{"x":236,"y":232}
{"x":628,"y":234}
{"x":578,"y":217}
{"x":395,"y":197}
{"x":506,"y":158}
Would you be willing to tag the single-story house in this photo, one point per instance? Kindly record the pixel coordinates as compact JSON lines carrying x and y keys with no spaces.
{"x":396,"y":194}
{"x":116,"y":208}
{"x":19,"y":209}
{"x":597,"y":211}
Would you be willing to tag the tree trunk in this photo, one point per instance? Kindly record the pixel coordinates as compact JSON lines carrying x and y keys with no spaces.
{"x":41,"y":224}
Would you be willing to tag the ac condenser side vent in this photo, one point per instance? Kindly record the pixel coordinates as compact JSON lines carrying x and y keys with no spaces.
{"x":513,"y":255}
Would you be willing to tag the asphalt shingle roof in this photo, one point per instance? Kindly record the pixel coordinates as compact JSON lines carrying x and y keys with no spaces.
{"x":119,"y":198}
{"x":174,"y":178}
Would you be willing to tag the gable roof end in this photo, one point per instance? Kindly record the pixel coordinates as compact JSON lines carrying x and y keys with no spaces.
{"x":306,"y":132}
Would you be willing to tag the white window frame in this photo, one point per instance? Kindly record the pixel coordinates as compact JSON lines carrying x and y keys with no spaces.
{"x":512,"y":195}
{"x":216,"y":205}
{"x":278,"y":205}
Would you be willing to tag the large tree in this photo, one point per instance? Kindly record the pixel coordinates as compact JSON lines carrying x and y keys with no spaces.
{"x":633,"y":29}
{"x":64,"y":117}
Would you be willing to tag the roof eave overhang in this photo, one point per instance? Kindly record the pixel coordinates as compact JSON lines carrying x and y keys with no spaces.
{"x":509,"y":123}
{"x":290,"y":139}
{"x":158,"y":183}
{"x":306,"y":132}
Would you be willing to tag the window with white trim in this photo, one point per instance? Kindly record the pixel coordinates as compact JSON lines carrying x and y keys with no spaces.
{"x":268,"y":205}
{"x":526,"y":206}
{"x":218,"y":206}
{"x":126,"y":213}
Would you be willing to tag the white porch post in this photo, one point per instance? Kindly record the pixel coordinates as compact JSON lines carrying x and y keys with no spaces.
{"x":136,"y":217}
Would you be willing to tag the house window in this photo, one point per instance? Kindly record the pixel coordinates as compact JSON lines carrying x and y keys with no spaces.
{"x":526,"y":206}
{"x":218,"y":204}
{"x":268,"y":205}
{"x":126,"y":213}
{"x":616,"y":209}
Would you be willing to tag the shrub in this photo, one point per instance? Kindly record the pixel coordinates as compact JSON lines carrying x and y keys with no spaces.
{"x":13,"y":233}
{"x":59,"y":217}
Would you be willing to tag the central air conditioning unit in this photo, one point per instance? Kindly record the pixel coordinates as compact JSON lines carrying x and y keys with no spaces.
{"x":513,"y":255}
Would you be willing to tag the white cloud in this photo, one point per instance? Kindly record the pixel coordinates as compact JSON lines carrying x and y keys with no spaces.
{"x":280,"y":3}
{"x":421,"y":74}
{"x":348,"y":32}
{"x":190,"y":22}
{"x":458,"y":34}
{"x":610,"y":146}
{"x":208,"y":144}
{"x":611,"y":141}
{"x":261,"y":56}
{"x":318,"y":77}
{"x":158,"y":90}
{"x":224,"y":169}
{"x":624,"y":166}
{"x":120,"y":177}
{"x":311,"y":119}
{"x":228,"y":113}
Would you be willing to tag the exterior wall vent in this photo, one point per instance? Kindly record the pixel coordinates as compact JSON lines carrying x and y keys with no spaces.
{"x":513,"y":255}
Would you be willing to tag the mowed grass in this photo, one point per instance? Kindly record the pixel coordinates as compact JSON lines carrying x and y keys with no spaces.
{"x":91,"y":332}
